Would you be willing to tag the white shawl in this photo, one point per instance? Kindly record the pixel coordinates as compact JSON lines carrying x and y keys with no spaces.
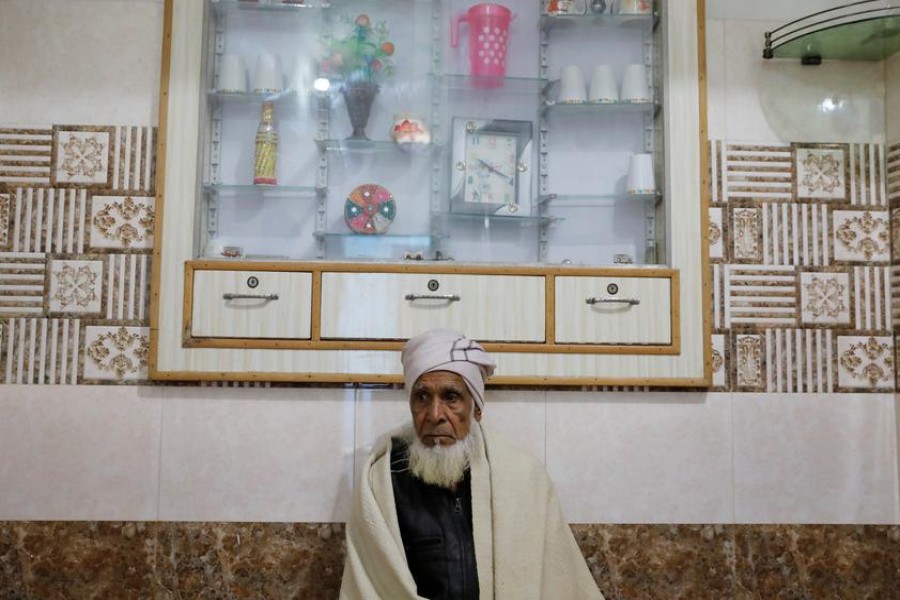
{"x":523,"y":547}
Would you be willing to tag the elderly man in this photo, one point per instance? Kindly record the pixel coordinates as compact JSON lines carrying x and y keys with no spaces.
{"x":445,"y":510}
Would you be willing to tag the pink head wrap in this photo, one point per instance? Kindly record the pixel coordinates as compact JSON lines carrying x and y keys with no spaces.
{"x":443,"y":350}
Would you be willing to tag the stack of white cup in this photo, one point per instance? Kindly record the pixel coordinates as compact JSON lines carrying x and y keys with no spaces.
{"x":640,"y":175}
{"x":603,"y":89}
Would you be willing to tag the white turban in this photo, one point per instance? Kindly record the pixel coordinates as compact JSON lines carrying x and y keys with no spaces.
{"x":443,"y":350}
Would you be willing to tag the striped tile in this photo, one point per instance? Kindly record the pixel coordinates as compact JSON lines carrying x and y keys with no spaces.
{"x":22,"y":277}
{"x":42,"y":351}
{"x":133,"y":153}
{"x":794,"y":234}
{"x":872,"y":298}
{"x":764,"y":296}
{"x":799,"y":360}
{"x":893,"y":174}
{"x":718,"y":295}
{"x":25,"y":156}
{"x":821,"y":171}
{"x":895,"y":296}
{"x":5,"y":214}
{"x":127,"y":286}
{"x":758,"y":172}
{"x":48,"y":220}
{"x":867,"y":184}
{"x":717,"y":172}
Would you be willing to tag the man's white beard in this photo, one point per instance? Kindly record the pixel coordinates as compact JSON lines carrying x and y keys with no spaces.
{"x":443,"y":466}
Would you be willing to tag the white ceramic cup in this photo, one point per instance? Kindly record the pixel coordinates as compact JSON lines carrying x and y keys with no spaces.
{"x":635,"y":7}
{"x":640,"y":175}
{"x":603,"y":85}
{"x":635,"y":87}
{"x":572,"y":89}
{"x":232,"y":74}
{"x":301,"y":76}
{"x":267,"y":78}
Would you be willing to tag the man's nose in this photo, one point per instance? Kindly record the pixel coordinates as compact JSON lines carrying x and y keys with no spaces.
{"x":435,"y":410}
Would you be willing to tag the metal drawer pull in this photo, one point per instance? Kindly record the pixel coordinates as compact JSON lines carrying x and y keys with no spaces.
{"x":447,"y":297}
{"x":249,"y":296}
{"x":631,"y":301}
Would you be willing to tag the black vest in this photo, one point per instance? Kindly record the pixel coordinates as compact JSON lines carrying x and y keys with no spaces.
{"x":436,"y":526}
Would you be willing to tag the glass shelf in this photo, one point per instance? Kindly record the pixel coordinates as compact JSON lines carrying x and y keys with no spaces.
{"x":225,"y":7}
{"x":525,"y":220}
{"x":497,"y":85}
{"x":261,"y":191}
{"x":866,"y":30}
{"x":638,"y":22}
{"x":278,"y":98}
{"x":373,"y":238}
{"x":598,"y":200}
{"x":376,"y":146}
{"x":619,"y":107}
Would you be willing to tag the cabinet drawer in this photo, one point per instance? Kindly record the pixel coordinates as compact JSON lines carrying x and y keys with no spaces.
{"x":612,"y":316}
{"x":213,"y":314}
{"x":381,"y":306}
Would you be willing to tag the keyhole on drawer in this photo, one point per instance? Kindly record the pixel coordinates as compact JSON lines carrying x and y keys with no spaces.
{"x":252,"y":282}
{"x":612,"y":289}
{"x":433,"y":285}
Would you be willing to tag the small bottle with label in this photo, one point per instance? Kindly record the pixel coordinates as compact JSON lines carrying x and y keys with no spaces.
{"x":266,"y":155}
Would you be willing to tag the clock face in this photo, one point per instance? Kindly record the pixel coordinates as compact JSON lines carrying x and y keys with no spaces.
{"x":490,"y":171}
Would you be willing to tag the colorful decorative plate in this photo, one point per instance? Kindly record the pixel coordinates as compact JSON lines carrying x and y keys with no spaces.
{"x":369,"y":209}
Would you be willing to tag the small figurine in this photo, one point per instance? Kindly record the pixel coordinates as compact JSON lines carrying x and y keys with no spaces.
{"x":409,"y":129}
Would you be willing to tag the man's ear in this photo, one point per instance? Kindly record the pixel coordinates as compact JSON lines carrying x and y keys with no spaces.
{"x":477,"y":414}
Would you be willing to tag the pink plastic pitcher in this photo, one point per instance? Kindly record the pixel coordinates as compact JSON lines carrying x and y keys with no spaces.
{"x":488,"y":39}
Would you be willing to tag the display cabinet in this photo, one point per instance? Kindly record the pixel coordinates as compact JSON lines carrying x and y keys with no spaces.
{"x":338,"y":176}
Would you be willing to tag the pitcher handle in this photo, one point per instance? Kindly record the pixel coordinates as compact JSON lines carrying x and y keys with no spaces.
{"x":454,"y":28}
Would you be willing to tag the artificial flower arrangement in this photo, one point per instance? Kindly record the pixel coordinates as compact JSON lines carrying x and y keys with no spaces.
{"x":362,"y":55}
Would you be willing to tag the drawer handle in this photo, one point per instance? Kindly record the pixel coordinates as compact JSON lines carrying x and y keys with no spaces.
{"x":446,"y":297}
{"x":630,"y":301}
{"x":249,"y":296}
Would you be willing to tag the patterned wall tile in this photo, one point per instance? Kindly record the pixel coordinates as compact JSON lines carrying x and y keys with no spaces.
{"x":42,"y":351}
{"x":25,"y":156}
{"x":759,"y":295}
{"x":127,"y":286}
{"x":122,"y":222}
{"x":746,"y":234}
{"x":720,"y":360}
{"x":895,"y":235}
{"x":872,"y":298}
{"x":799,"y":360}
{"x":825,"y":298}
{"x":895,"y":296}
{"x":717,"y":172}
{"x":866,"y":179}
{"x":757,"y":172}
{"x":116,"y":353}
{"x":749,"y":362}
{"x":49,"y":220}
{"x":861,"y":236}
{"x":893,"y":174}
{"x":821,"y":171}
{"x":82,"y":156}
{"x":5,"y":212}
{"x":865,"y":362}
{"x":22,"y":276}
{"x":75,"y":287}
{"x":716,"y":235}
{"x":794,"y":234}
{"x":132,"y":159}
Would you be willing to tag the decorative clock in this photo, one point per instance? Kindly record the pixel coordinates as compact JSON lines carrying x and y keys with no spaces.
{"x":491,"y":166}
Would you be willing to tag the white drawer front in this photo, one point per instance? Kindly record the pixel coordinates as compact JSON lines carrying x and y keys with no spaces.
{"x":373,"y":306}
{"x":287,"y":317}
{"x":648,"y":322}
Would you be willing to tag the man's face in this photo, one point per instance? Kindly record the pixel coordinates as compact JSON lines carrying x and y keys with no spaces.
{"x":441,"y":407}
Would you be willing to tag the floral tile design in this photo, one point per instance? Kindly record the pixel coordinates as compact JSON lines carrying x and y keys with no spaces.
{"x":746,"y":231}
{"x":716,"y":234}
{"x":749,"y":362}
{"x":821,"y":173}
{"x":861,"y":236}
{"x":825,"y":298}
{"x":75,"y":286}
{"x":116,"y":353}
{"x":122,"y":222}
{"x":865,"y":362}
{"x":5,"y":212}
{"x":719,"y":362}
{"x":82,"y":156}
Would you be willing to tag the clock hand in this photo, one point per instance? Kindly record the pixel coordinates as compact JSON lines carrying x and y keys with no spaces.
{"x":494,"y":169}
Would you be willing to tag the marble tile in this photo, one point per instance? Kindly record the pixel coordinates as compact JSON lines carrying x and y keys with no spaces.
{"x":241,"y":454}
{"x":675,"y":562}
{"x":250,"y":560}
{"x":74,"y":453}
{"x":781,"y":100}
{"x":641,"y":457}
{"x":77,"y":560}
{"x":814,"y":458}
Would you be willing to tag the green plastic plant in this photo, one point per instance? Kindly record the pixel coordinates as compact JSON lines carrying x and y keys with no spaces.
{"x":362,"y":55}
